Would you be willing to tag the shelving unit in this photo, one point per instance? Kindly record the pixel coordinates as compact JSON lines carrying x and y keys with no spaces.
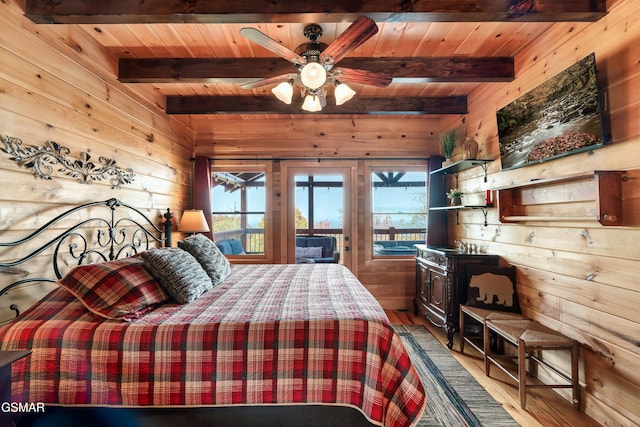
{"x":596,"y":195}
{"x":454,"y":169}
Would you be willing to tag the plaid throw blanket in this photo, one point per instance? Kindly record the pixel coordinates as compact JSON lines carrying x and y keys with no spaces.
{"x":269,"y":334}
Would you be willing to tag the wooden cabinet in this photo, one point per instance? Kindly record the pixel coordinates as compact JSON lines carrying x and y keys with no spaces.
{"x":441,"y":285}
{"x":431,"y":288}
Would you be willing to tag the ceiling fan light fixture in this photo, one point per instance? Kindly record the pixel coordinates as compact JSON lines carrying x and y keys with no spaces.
{"x":343,"y":93}
{"x":313,"y":75}
{"x":312,"y":103}
{"x":284,"y":92}
{"x":315,"y":63}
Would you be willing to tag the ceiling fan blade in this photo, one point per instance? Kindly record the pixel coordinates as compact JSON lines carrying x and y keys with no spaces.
{"x":269,"y":81}
{"x":357,"y":33}
{"x":267,"y":42}
{"x":364,"y":77}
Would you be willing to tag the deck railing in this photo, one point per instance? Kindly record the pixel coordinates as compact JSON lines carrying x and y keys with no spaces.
{"x":393,"y":233}
{"x":252,"y":239}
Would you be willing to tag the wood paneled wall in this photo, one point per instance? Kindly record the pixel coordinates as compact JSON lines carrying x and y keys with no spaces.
{"x":348,"y":142}
{"x":50,"y":91}
{"x":321,"y":137}
{"x":578,"y":278}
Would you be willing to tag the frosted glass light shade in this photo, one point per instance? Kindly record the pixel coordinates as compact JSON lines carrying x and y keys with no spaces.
{"x":343,"y":93}
{"x":313,"y":75}
{"x":311,"y":103}
{"x":193,"y":221}
{"x":284,"y":92}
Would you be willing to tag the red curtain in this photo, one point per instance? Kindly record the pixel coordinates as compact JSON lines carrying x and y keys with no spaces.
{"x":202,"y":190}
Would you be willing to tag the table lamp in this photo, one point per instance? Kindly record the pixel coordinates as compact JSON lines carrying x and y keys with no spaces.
{"x":193,"y":221}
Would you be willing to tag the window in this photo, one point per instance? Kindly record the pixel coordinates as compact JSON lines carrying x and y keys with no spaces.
{"x":239,"y":207}
{"x":398,"y":210}
{"x":319,"y":204}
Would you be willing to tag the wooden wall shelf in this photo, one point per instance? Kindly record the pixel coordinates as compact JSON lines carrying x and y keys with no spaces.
{"x":453,"y":169}
{"x":463,"y":165}
{"x":462,"y":207}
{"x":589,"y":196}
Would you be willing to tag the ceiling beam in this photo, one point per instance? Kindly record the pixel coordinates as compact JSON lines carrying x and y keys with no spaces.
{"x":244,"y":70}
{"x":271,"y":105}
{"x":253,"y":11}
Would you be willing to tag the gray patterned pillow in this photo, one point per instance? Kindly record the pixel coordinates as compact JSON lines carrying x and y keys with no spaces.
{"x":178,"y":272}
{"x":208,"y":255}
{"x":308,"y":252}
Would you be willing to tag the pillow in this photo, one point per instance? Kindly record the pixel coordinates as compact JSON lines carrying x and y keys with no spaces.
{"x":309,"y":252}
{"x":120,"y":289}
{"x":208,"y":255}
{"x":178,"y":272}
{"x":492,"y":288}
{"x":236,"y":247}
{"x":223,"y":246}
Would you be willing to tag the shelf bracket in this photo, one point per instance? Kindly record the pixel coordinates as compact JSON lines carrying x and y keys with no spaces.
{"x":484,"y":173}
{"x":484,"y":170}
{"x":484,"y":212}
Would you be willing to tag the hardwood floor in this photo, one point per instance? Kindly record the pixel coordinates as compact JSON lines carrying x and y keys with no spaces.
{"x":545,"y":407}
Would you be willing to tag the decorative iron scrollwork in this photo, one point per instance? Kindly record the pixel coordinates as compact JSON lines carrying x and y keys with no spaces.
{"x":52,"y":157}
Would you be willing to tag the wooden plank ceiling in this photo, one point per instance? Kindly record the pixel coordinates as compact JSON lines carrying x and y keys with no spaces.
{"x":192,"y":53}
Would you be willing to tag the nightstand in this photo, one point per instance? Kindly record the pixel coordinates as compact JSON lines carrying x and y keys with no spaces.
{"x":6,"y":359}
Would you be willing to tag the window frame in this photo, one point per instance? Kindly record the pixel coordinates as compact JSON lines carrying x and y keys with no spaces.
{"x":417,"y":165}
{"x":251,"y":166}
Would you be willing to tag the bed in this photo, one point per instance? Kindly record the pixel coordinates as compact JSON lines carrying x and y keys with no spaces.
{"x":269,"y":344}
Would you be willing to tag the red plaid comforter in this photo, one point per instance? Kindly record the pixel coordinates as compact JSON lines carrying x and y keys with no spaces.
{"x":269,"y":334}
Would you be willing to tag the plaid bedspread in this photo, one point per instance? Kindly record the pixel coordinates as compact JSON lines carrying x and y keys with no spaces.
{"x":269,"y":334}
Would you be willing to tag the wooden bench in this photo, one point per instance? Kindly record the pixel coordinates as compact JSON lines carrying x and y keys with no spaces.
{"x":530,"y":338}
{"x":480,"y":315}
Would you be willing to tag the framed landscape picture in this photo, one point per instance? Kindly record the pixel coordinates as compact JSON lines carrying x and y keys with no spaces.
{"x":561,"y":116}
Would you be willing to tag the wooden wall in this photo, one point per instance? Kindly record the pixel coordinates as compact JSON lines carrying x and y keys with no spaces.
{"x":49,"y":91}
{"x":578,"y":278}
{"x":352,"y":142}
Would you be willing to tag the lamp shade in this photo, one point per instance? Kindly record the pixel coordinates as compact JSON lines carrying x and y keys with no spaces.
{"x":284,"y":92}
{"x":313,"y":75}
{"x":193,"y":221}
{"x":311,"y":103}
{"x":343,"y":93}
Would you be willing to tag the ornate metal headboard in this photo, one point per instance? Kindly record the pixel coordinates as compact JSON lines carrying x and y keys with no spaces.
{"x":119,"y":231}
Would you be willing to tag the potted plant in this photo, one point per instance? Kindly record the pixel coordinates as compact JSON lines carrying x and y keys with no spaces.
{"x":455,"y":196}
{"x":448,"y":141}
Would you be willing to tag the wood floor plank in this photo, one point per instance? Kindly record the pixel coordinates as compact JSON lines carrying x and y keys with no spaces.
{"x":545,"y":407}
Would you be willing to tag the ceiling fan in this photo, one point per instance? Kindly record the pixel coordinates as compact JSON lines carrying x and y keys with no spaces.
{"x":316,"y":64}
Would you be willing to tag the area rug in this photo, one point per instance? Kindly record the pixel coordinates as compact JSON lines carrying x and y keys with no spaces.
{"x":454,"y":397}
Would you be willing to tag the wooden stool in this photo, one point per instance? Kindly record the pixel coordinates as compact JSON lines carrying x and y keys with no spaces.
{"x":529,"y":337}
{"x":480,"y":315}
